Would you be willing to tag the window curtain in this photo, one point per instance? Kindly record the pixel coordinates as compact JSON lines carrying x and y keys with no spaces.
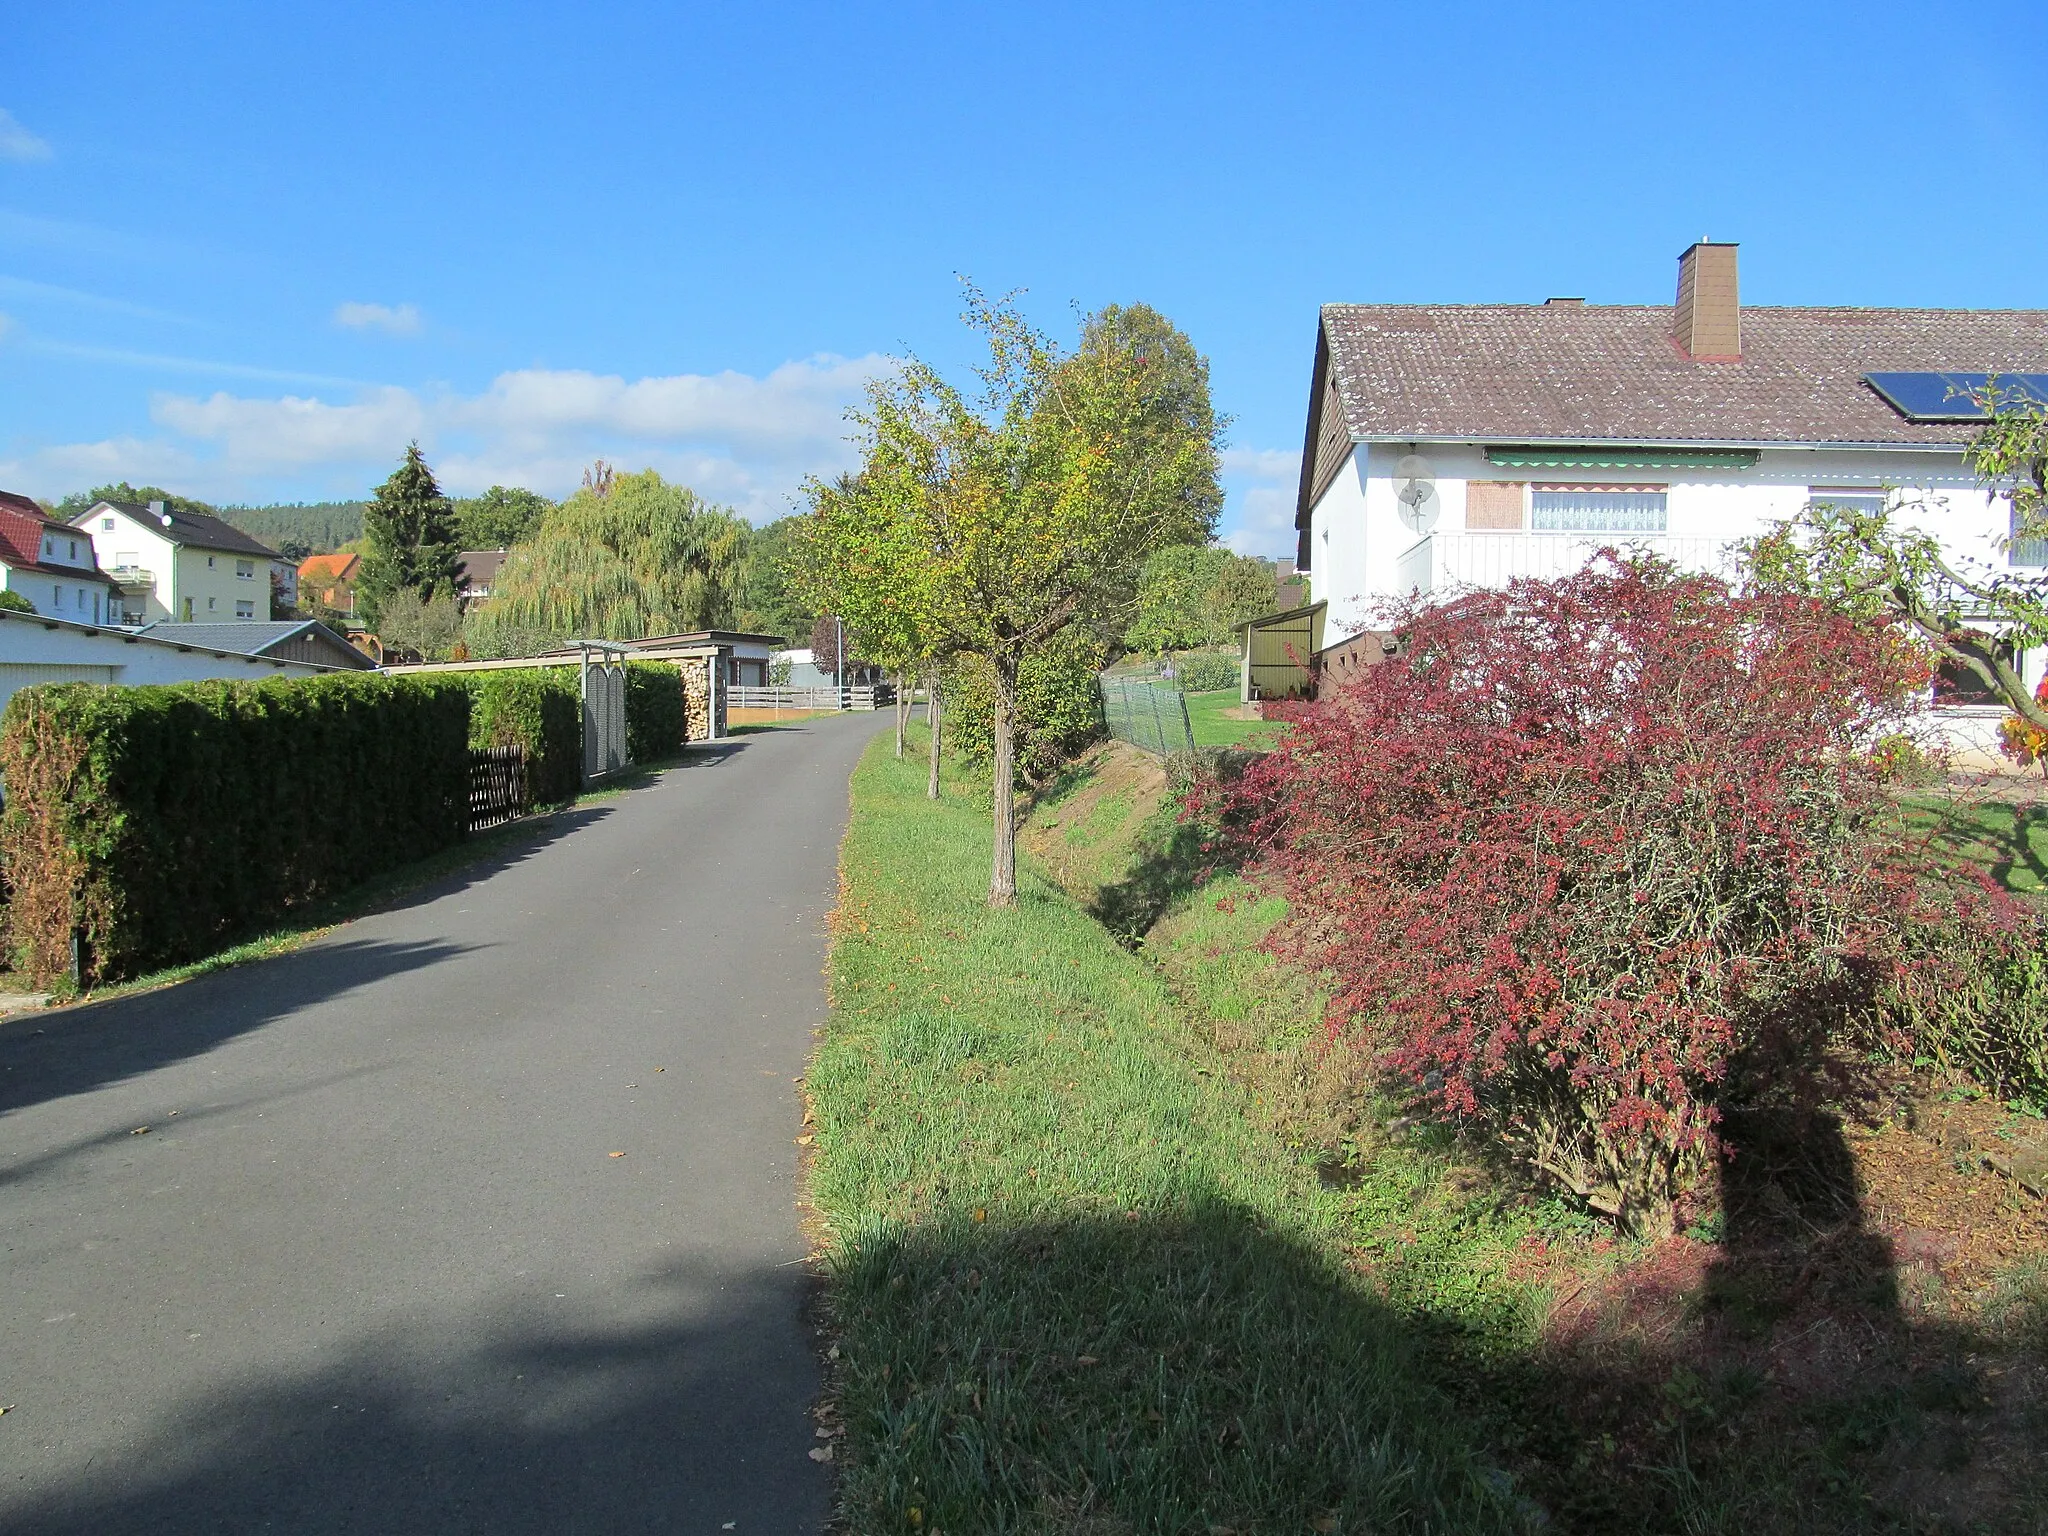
{"x":1572,"y":510}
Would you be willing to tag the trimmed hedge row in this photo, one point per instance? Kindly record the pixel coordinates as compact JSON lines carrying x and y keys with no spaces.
{"x":656,"y":723}
{"x":539,"y":709}
{"x":157,"y":823}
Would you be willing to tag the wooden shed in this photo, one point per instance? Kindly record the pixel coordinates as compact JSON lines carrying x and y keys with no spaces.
{"x":1279,"y":651}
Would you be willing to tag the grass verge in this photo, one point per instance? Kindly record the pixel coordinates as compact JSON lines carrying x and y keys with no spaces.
{"x":1212,"y":717}
{"x":1077,"y":1286}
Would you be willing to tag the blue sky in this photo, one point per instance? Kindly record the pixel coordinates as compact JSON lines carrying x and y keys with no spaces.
{"x":248,"y":251}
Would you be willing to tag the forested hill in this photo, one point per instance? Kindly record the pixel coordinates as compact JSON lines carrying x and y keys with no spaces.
{"x":308,"y":528}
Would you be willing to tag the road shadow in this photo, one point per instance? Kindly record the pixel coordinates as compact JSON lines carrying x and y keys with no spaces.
{"x":55,"y":1054}
{"x":535,"y":1418}
{"x":1113,"y":1371}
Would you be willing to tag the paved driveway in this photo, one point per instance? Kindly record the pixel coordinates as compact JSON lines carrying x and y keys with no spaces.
{"x":375,"y":1266}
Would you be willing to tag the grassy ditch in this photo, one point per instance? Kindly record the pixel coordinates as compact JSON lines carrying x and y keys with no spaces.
{"x":1121,"y":1245}
{"x":1853,"y":1342}
{"x":1078,"y":1284}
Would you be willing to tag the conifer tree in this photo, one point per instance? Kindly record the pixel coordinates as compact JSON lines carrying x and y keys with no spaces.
{"x":411,"y":530}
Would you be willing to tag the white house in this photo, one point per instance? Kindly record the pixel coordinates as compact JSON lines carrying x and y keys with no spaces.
{"x":1458,"y":446}
{"x":35,"y":649}
{"x":183,"y":566}
{"x":51,"y":566}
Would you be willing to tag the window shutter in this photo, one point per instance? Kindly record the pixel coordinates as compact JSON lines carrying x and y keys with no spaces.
{"x":1495,"y":504}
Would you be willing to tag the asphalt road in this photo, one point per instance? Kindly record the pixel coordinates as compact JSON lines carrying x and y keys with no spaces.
{"x":375,"y":1266}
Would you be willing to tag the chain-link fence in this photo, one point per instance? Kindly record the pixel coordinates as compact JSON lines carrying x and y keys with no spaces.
{"x":1151,"y":716}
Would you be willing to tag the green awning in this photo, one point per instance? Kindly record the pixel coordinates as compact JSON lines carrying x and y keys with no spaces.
{"x":1621,"y":458}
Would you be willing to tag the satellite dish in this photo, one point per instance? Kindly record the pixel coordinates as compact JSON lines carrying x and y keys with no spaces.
{"x":1415,"y":491}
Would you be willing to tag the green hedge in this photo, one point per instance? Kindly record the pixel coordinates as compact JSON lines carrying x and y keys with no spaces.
{"x":1059,"y":706}
{"x":655,"y":719}
{"x":158,"y":823}
{"x":540,"y":709}
{"x":1206,"y":671}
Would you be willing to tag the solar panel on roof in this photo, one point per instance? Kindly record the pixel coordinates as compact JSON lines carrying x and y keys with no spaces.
{"x":1957,"y":396}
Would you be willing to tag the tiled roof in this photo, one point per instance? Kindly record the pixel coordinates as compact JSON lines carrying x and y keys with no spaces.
{"x":338,"y":566}
{"x":1536,"y":372}
{"x":194,"y":529}
{"x":21,"y":541}
{"x":478,"y":567}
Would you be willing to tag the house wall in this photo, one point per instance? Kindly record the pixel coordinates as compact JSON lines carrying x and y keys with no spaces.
{"x":31,"y":652}
{"x":1363,"y":556}
{"x":79,"y":602}
{"x":213,"y":580}
{"x":1358,"y":541}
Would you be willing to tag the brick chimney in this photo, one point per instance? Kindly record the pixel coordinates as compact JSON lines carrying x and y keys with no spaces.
{"x":1709,"y":315}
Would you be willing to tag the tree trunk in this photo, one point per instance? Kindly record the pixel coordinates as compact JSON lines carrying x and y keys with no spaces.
{"x":902,"y":708}
{"x":931,"y":714}
{"x":1002,"y":876}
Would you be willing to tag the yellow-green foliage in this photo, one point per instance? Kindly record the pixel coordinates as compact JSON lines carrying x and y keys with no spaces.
{"x":646,"y":558}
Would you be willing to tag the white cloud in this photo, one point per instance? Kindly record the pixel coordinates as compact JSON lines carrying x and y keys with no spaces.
{"x":398,"y":320}
{"x":742,"y":440}
{"x":17,"y":143}
{"x":1259,"y":486}
{"x":291,"y":433}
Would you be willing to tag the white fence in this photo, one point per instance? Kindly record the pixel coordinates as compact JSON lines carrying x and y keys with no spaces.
{"x":1492,"y":560}
{"x":737,"y":697}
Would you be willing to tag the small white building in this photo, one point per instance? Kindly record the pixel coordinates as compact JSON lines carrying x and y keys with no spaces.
{"x":183,"y":566}
{"x":51,"y":566}
{"x":1458,"y":446}
{"x":35,"y":649}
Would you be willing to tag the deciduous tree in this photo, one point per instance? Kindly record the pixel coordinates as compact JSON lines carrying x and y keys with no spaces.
{"x":999,"y":514}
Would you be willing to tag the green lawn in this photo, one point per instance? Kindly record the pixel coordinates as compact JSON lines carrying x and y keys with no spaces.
{"x":2010,"y":842}
{"x":1077,"y":1286}
{"x":1209,"y":717}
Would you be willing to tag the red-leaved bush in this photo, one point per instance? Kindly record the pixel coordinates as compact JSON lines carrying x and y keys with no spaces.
{"x":1581,"y":845}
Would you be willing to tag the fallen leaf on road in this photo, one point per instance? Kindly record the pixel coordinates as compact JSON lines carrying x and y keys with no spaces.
{"x":819,"y":1453}
{"x":140,"y":1130}
{"x":661,"y":1069}
{"x":615,"y":1154}
{"x":805,"y":1141}
{"x":730,"y":1524}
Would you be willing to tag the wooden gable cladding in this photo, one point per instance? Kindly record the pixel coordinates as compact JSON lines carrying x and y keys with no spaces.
{"x":1494,"y":504}
{"x":1326,"y":447}
{"x":1333,"y":443}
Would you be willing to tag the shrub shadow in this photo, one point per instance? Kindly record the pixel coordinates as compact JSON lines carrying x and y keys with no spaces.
{"x":53,"y":1055}
{"x":1116,"y":1372}
{"x":523,"y":1417}
{"x":1796,"y":1375}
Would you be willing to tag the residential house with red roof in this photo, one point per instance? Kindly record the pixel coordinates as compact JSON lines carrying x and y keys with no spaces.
{"x":1459,"y":446}
{"x":52,"y":565}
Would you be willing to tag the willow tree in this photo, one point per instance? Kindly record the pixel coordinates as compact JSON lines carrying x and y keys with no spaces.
{"x":995,"y":515}
{"x":622,"y":559}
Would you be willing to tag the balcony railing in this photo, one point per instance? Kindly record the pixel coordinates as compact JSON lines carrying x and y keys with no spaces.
{"x":1441,"y":562}
{"x":132,"y":578}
